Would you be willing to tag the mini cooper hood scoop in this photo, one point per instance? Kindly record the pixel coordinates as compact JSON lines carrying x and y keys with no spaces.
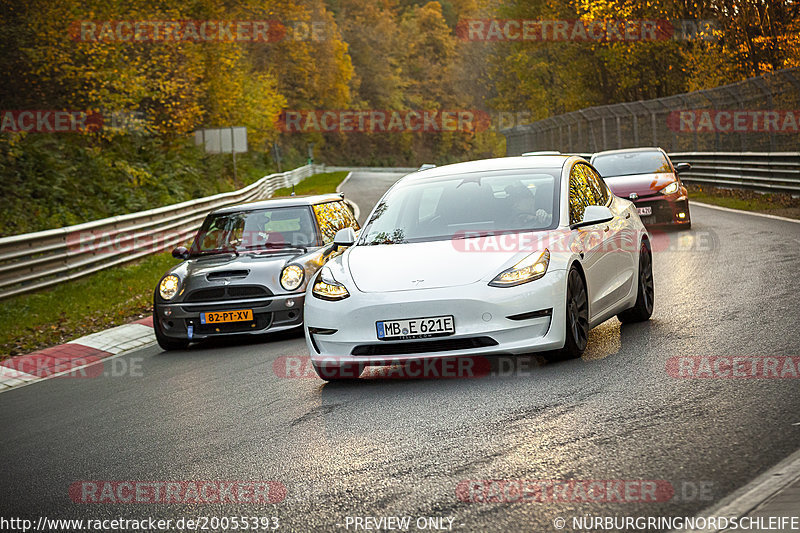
{"x":229,"y":266}
{"x":424,"y":265}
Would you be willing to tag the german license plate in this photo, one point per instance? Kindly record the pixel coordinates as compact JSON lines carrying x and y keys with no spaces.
{"x":644,"y":211}
{"x":217,"y":317}
{"x":416,"y":328}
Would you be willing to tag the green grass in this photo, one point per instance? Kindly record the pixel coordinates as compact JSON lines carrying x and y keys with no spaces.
{"x":108,"y":298}
{"x":99,"y":301}
{"x":746,"y":200}
{"x":316,"y":184}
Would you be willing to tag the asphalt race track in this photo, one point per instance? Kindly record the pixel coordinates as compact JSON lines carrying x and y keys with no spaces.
{"x":389,"y":447}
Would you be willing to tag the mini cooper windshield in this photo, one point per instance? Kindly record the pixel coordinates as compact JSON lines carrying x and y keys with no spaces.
{"x":247,"y":231}
{"x":462,"y":206}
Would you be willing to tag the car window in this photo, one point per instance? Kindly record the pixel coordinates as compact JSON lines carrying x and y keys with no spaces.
{"x":631,"y":163}
{"x":333,"y":216}
{"x":581,"y":193}
{"x":282,"y":227}
{"x":457,"y":206}
{"x":598,"y":186}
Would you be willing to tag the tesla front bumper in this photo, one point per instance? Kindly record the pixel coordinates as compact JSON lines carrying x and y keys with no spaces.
{"x":488,"y":320}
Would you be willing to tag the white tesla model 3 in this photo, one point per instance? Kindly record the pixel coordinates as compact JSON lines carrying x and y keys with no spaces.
{"x":501,"y":256}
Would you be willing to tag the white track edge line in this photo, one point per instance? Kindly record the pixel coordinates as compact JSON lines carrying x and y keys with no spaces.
{"x":760,"y":489}
{"x":71,"y":370}
{"x":730,"y":210}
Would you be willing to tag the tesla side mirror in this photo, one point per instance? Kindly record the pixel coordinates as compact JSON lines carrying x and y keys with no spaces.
{"x":594,"y":214}
{"x":344,"y":237}
{"x":180,"y":252}
{"x":682,"y":167}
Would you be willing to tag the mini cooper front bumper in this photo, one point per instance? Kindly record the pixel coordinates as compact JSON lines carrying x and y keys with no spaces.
{"x":181,"y":320}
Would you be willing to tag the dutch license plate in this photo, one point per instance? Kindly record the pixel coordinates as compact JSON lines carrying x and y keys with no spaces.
{"x":217,"y":317}
{"x":644,"y":211}
{"x":416,"y":328}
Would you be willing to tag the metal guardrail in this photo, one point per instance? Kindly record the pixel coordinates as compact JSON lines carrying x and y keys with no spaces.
{"x":406,"y":170}
{"x":33,"y":261}
{"x":758,"y":171}
{"x":656,"y":122}
{"x":761,"y":171}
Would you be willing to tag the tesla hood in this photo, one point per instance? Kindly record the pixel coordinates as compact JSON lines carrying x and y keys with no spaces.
{"x":424,"y":265}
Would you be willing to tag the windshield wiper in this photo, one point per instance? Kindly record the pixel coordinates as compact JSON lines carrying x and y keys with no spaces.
{"x":271,"y":246}
{"x":208,"y":253}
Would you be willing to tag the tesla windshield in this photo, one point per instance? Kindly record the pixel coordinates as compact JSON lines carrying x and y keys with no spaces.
{"x":265,"y":229}
{"x":463,"y":205}
{"x":631,"y":163}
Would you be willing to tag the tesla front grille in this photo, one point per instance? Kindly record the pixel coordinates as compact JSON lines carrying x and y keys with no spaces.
{"x":405,"y":348}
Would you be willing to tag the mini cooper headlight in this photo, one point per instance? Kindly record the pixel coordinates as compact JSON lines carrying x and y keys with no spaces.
{"x":670,"y":189}
{"x":327,"y":288}
{"x":168,"y":287}
{"x":292,"y":277}
{"x":530,"y":268}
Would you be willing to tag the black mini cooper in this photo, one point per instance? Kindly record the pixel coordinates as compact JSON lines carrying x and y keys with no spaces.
{"x":247,"y":269}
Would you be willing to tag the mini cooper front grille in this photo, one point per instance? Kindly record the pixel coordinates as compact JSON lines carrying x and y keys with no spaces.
{"x":205,"y":295}
{"x":405,"y":348}
{"x":227,"y":293}
{"x":249,"y":291}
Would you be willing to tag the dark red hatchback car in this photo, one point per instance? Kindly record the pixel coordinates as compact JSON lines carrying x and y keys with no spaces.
{"x":647,"y":177}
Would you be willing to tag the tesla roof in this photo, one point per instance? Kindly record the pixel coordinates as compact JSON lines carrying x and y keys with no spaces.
{"x":487,"y":165}
{"x":288,"y":201}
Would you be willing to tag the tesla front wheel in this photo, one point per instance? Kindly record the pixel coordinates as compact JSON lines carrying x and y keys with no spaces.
{"x":577,"y":334}
{"x":643,"y":307}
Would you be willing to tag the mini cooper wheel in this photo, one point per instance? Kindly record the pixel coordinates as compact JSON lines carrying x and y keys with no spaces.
{"x":165,"y":342}
{"x":577,"y":318}
{"x":643,"y":308}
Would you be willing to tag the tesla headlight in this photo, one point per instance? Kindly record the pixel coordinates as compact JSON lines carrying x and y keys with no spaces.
{"x":670,"y":189}
{"x":168,"y":287}
{"x":530,"y":268}
{"x":327,"y":288}
{"x":292,"y":277}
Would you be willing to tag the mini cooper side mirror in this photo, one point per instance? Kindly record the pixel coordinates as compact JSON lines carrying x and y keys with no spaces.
{"x":682,"y":167}
{"x":594,"y":214}
{"x":344,"y":237}
{"x":180,"y":252}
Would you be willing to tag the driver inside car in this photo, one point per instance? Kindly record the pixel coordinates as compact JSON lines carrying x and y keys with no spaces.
{"x":523,"y":211}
